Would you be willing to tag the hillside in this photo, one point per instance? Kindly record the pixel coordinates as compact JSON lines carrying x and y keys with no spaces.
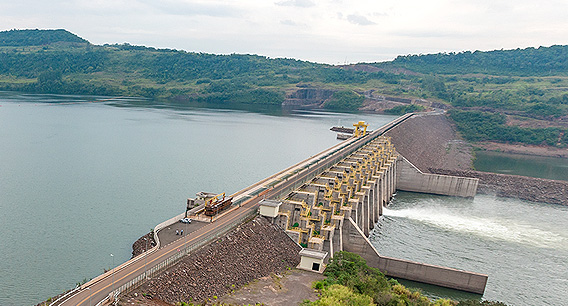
{"x":513,"y":96}
{"x":20,"y":38}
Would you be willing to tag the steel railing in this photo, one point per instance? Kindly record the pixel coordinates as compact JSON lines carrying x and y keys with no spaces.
{"x":175,"y":258}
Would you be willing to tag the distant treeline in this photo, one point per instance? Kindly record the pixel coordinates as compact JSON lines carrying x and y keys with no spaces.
{"x":540,"y":61}
{"x":136,"y":70}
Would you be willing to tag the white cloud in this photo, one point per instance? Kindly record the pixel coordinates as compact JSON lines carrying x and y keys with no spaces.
{"x":359,"y":19}
{"x":296,"y":3}
{"x":317,"y":30}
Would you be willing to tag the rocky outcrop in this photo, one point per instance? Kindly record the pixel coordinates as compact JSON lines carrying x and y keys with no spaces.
{"x":140,"y":246}
{"x":308,"y":97}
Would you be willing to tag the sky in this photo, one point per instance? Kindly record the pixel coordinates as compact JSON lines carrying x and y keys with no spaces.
{"x":323,"y":31}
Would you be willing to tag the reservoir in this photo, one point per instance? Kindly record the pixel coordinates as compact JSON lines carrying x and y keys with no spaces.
{"x":82,"y":179}
{"x":554,"y":168}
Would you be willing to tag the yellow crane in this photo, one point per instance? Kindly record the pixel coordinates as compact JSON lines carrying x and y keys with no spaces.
{"x":358,"y":132}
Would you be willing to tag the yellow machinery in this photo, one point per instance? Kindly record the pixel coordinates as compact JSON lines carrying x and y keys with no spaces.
{"x":358,"y":132}
{"x":216,"y":198}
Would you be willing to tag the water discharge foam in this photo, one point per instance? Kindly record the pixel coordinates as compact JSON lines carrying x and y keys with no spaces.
{"x":509,"y":230}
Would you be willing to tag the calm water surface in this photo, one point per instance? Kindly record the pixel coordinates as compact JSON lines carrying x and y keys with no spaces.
{"x":554,"y":168}
{"x":81,"y":180}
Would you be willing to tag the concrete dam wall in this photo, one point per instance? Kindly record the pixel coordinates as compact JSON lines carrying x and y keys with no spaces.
{"x":410,"y":178}
{"x":354,"y":241}
{"x":337,"y":209}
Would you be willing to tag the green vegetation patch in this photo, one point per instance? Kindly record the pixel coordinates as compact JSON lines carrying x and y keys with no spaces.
{"x":482,"y":126}
{"x":345,"y":100}
{"x":350,"y":281}
{"x":403,"y":109}
{"x":529,"y":61}
{"x":17,"y":38}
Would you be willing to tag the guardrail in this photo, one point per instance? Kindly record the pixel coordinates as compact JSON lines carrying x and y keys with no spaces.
{"x":172,"y":260}
{"x":63,"y":297}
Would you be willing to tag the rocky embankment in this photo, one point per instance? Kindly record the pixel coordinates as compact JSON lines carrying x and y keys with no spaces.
{"x":516,"y":186}
{"x":140,"y":246}
{"x":253,"y":250}
{"x":432,"y":145}
{"x":430,"y":141}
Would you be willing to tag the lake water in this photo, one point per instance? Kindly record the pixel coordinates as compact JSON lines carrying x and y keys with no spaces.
{"x":80,"y":180}
{"x":554,"y":168}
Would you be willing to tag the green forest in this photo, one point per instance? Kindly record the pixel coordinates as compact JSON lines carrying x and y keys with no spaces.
{"x":513,"y":96}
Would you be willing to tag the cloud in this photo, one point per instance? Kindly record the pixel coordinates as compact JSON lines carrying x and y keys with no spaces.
{"x":359,"y":20}
{"x":288,"y":22}
{"x":432,"y":33}
{"x":297,"y":3}
{"x":211,"y":9}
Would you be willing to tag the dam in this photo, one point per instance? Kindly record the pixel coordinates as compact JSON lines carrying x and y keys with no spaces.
{"x":338,"y":208}
{"x":327,"y":203}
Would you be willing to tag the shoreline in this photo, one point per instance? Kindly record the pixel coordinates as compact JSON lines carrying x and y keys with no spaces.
{"x":521,"y":149}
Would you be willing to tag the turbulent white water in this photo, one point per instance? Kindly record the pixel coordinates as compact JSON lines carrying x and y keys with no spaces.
{"x":509,"y":230}
{"x":522,"y":246}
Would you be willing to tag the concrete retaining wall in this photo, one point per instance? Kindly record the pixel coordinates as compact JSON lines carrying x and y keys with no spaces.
{"x":410,"y":178}
{"x":353,"y":240}
{"x":435,"y":275}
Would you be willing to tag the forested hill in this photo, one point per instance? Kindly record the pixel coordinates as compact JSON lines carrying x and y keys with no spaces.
{"x":20,"y":38}
{"x":142,"y":71}
{"x":518,"y":96}
{"x":540,"y":61}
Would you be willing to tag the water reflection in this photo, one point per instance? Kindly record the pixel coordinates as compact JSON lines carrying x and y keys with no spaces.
{"x":554,"y":168}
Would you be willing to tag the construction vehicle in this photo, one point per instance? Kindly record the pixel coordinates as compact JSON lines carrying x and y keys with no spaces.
{"x":216,"y":204}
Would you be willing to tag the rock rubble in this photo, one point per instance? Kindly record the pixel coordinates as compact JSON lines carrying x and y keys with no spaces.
{"x":430,"y":141}
{"x":139,"y":246}
{"x":253,"y":250}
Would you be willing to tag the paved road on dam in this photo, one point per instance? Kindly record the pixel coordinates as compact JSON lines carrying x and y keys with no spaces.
{"x":276,"y":185}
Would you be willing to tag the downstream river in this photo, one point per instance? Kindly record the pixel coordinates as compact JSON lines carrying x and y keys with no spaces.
{"x":82,"y":178}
